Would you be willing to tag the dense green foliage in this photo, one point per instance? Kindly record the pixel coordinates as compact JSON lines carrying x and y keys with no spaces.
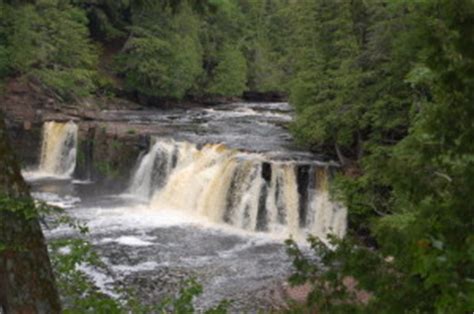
{"x":389,"y":85}
{"x":49,"y":42}
{"x":230,"y":74}
{"x":164,"y":49}
{"x":163,"y":57}
{"x":180,"y":50}
{"x":267,"y":47}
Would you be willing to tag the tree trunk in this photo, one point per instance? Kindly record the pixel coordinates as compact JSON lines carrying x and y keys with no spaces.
{"x":27,"y":282}
{"x":343,"y":160}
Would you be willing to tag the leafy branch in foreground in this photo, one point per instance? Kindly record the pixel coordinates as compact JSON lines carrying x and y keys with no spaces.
{"x":330,"y":271}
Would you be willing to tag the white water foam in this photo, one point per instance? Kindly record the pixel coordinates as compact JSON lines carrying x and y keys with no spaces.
{"x":145,"y":266}
{"x":65,"y":202}
{"x":128,"y":241}
{"x":102,"y":281}
{"x":219,"y":185}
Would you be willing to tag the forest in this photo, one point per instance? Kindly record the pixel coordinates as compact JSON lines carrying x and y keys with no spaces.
{"x":383,"y":87}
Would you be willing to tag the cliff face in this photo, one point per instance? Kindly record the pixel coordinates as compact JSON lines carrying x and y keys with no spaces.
{"x":24,"y":105}
{"x":107,"y":152}
{"x":106,"y":148}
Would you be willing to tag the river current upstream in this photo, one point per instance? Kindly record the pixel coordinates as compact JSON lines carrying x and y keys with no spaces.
{"x":213,"y":197}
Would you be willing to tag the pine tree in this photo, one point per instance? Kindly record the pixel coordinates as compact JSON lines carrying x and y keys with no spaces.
{"x":163,"y":59}
{"x":322,"y":89}
{"x":230,"y":75}
{"x":414,"y":190}
{"x":49,"y":42}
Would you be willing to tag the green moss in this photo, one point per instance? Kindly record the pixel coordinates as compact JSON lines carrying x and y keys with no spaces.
{"x":116,"y":144}
{"x":107,"y":170}
{"x":80,"y":156}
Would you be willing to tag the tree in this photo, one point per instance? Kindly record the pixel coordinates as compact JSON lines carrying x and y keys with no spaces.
{"x":413,"y":190}
{"x":323,"y":87}
{"x":163,"y":58}
{"x":4,"y":70}
{"x":230,"y":75}
{"x":27,"y":283}
{"x":49,"y":42}
{"x":268,"y":42}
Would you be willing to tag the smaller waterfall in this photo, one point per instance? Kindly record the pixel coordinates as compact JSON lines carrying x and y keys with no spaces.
{"x":58,"y":151}
{"x":247,"y":191}
{"x":152,"y":170}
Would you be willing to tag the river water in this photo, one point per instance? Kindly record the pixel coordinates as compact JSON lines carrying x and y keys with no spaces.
{"x":213,"y":197}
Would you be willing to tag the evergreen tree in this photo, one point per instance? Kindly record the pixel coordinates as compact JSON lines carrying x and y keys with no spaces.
{"x":415,"y":181}
{"x":163,"y":59}
{"x":230,"y":75}
{"x":267,"y":44}
{"x":49,"y":42}
{"x":222,"y":33}
{"x":322,"y":90}
{"x":4,"y":60}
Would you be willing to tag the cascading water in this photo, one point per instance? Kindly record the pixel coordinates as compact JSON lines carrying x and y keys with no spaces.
{"x":253,"y":201}
{"x":58,"y":150}
{"x":244,"y":190}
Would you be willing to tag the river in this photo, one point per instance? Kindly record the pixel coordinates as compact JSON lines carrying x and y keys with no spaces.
{"x":212,"y":197}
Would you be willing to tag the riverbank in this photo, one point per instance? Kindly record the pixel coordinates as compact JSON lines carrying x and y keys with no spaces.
{"x":27,"y":101}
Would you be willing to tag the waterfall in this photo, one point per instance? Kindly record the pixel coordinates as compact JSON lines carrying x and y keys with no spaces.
{"x":58,"y":150}
{"x":245,"y":190}
{"x":152,"y":170}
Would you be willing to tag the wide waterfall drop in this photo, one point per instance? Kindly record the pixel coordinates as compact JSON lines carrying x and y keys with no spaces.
{"x":245,"y":190}
{"x":213,"y":196}
{"x":58,"y":150}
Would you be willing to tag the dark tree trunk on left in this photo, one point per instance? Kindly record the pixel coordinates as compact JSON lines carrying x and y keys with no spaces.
{"x":27,"y":282}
